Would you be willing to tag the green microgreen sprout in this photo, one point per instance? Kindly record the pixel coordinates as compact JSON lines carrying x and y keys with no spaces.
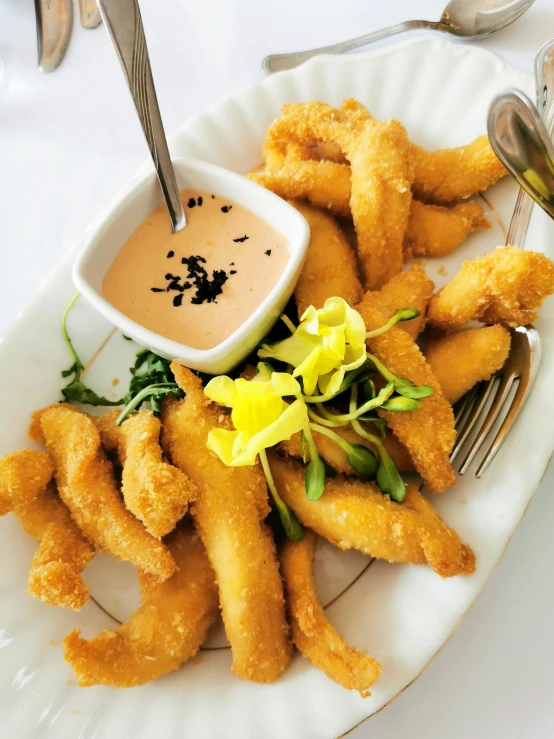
{"x":291,"y":524}
{"x":314,"y":478}
{"x":405,"y":314}
{"x":402,"y":385}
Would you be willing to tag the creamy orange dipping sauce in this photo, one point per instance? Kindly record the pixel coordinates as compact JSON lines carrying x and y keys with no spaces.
{"x":200,"y":285}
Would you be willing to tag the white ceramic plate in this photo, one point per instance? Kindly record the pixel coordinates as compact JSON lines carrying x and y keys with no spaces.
{"x":401,"y":614}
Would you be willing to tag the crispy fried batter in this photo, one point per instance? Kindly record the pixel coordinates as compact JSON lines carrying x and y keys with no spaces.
{"x":435,"y":231}
{"x":63,"y":553}
{"x":87,"y":486}
{"x":23,"y":475}
{"x":447,"y":175}
{"x":330,"y":268}
{"x":464,"y":358}
{"x":229,"y":517}
{"x":312,"y":633}
{"x":411,"y":289}
{"x":156,"y":492}
{"x":163,"y":633}
{"x":355,"y":515}
{"x":428,"y":433}
{"x":505,"y":286}
{"x":381,"y":177}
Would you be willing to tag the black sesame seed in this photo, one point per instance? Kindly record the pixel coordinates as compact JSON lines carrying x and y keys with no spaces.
{"x":157,"y":289}
{"x":178,"y":300}
{"x":268,"y":252}
{"x":191,"y":203}
{"x":241,"y":240}
{"x":233,"y":272}
{"x":200,"y":201}
{"x":213,"y":197}
{"x":170,"y":254}
{"x":226,"y":208}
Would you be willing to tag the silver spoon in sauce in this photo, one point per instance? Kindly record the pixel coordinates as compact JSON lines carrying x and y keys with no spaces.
{"x":521,"y":142}
{"x":468,"y":19}
{"x":124,"y":24}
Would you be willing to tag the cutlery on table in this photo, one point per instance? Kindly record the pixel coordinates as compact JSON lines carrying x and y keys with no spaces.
{"x":124,"y":24}
{"x":54,"y":26}
{"x":467,"y":19}
{"x":525,"y":351}
{"x":90,"y":13}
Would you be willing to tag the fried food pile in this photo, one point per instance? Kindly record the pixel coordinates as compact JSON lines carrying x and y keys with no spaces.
{"x":150,"y":492}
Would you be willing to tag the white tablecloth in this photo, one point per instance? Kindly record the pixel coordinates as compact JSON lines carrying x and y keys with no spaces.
{"x":67,"y":142}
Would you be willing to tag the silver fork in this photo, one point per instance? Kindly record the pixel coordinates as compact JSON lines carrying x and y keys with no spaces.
{"x":525,"y":351}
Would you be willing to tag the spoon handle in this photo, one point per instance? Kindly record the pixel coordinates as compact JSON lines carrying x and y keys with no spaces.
{"x":280,"y":62}
{"x":124,"y":24}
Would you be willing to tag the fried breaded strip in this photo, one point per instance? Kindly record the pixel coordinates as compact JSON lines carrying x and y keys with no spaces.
{"x":23,"y":474}
{"x":156,"y":492}
{"x":229,"y":515}
{"x":87,"y":486}
{"x":330,"y":268}
{"x":312,"y":633}
{"x":381,"y":177}
{"x":464,"y":358}
{"x":336,"y":457}
{"x":428,"y":433}
{"x":435,"y":231}
{"x":163,"y":633}
{"x":505,"y":286}
{"x":63,"y":552}
{"x":411,"y":289}
{"x":355,"y":515}
{"x":447,"y":175}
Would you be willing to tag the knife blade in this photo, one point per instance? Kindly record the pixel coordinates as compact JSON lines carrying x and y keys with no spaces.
{"x":90,"y":13}
{"x":54,"y":26}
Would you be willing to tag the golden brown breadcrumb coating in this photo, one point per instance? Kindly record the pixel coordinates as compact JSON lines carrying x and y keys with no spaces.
{"x":23,"y":474}
{"x":505,"y":286}
{"x":410,"y":289}
{"x":461,"y":359}
{"x":163,"y":633}
{"x":87,"y":486}
{"x":312,"y":633}
{"x":229,"y":515}
{"x":353,"y":514}
{"x":156,"y":492}
{"x":428,"y":432}
{"x":435,"y":231}
{"x":330,"y":269}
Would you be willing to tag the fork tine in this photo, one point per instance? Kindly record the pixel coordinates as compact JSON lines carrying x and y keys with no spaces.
{"x":464,"y":405}
{"x":527,"y":377}
{"x":499,"y":399}
{"x":480,"y":400}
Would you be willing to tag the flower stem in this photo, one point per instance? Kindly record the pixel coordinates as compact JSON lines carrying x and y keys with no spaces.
{"x":324,"y":421}
{"x":288,"y":323}
{"x":290,"y":523}
{"x":344,"y":445}
{"x":384,"y":395}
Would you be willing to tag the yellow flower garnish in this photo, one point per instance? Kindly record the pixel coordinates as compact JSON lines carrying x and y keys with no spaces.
{"x":260,"y":415}
{"x":328,"y":343}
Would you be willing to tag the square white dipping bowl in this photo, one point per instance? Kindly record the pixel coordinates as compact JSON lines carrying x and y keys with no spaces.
{"x":128,"y":212}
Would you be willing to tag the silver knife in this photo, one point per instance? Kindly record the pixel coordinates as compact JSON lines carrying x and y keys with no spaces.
{"x":54,"y":26}
{"x":90,"y":13}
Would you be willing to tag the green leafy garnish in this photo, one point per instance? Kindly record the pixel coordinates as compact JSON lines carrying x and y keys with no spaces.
{"x":293,"y":527}
{"x":152,"y":379}
{"x":401,"y":403}
{"x":362,"y":460}
{"x":314,"y":479}
{"x":76,"y":391}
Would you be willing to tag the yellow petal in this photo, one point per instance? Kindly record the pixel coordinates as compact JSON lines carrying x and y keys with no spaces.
{"x":284,"y":384}
{"x":293,"y":419}
{"x":221,"y":441}
{"x":222,"y":390}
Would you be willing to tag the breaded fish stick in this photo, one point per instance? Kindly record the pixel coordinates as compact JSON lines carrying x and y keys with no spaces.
{"x":435,"y":231}
{"x":464,"y":358}
{"x":163,"y":633}
{"x":411,"y":289}
{"x":428,"y":432}
{"x":23,"y":475}
{"x":330,"y":268}
{"x":229,"y":515}
{"x":336,"y":457}
{"x":87,"y":486}
{"x":505,"y":286}
{"x":312,"y":633}
{"x":156,"y":492}
{"x":447,"y":175}
{"x":63,"y":553}
{"x":355,"y":515}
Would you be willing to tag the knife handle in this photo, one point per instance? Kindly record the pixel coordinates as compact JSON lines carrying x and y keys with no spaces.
{"x":124,"y":24}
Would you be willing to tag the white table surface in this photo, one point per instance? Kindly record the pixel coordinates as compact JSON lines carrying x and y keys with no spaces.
{"x":68,"y":140}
